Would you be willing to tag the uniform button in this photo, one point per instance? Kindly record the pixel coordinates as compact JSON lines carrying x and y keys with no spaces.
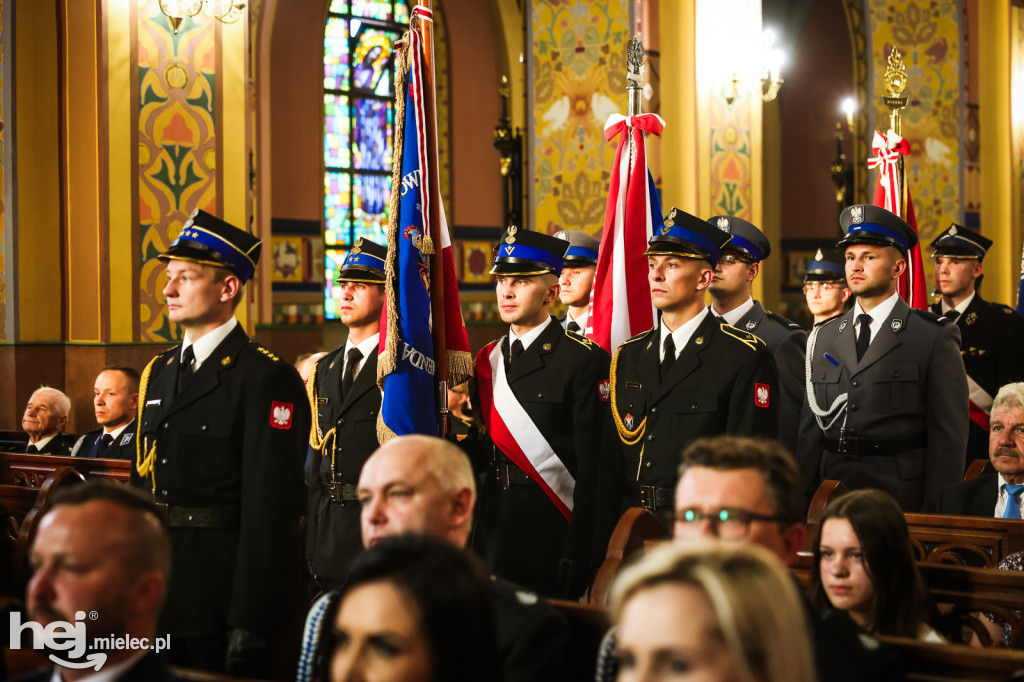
{"x":540,"y":395}
{"x":203,"y":427}
{"x":855,"y":383}
{"x":654,"y":410}
{"x":341,"y":422}
{"x":166,"y":425}
{"x":649,"y":464}
{"x":650,"y":437}
{"x":163,"y":493}
{"x":164,"y":461}
{"x":693,"y":406}
{"x":853,"y":408}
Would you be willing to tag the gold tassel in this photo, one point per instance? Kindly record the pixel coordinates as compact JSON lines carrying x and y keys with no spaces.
{"x":428,"y":246}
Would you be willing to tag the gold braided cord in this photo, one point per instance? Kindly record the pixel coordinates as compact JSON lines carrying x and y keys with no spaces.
{"x":749,"y":340}
{"x":144,"y":464}
{"x":628,"y":437}
{"x":388,"y":360}
{"x":315,"y":437}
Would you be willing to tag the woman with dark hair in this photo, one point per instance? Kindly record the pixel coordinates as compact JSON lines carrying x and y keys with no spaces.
{"x":864,"y":565}
{"x":414,"y":609}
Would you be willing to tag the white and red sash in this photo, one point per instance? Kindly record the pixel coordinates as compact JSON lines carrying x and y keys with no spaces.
{"x":515,"y":434}
{"x":980,"y":403}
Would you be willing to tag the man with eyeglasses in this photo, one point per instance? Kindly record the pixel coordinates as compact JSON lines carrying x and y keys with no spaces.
{"x":825,"y":285}
{"x":746,"y":490}
{"x":733,"y":302}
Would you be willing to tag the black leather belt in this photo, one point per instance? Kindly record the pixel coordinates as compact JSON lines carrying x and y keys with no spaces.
{"x":507,"y":475}
{"x":342,"y":492}
{"x":653,"y":498}
{"x":202,"y":517}
{"x":855,"y":448}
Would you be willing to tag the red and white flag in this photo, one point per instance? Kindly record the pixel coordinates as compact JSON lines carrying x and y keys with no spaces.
{"x":620,"y":303}
{"x":888,"y":195}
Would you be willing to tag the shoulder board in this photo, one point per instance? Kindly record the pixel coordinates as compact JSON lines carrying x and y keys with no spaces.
{"x":638,"y":337}
{"x":931,"y":317}
{"x":782,"y":320}
{"x":255,"y":345}
{"x":746,"y":338}
{"x":578,"y":338}
{"x":1006,"y":309}
{"x":830,"y":319}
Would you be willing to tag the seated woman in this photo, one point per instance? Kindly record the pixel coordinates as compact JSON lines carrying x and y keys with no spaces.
{"x":414,"y":609}
{"x":864,"y":565}
{"x":712,"y":611}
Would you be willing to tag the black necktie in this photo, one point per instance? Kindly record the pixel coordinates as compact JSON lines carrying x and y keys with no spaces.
{"x":670,"y":356}
{"x":863,"y":334}
{"x":105,"y":442}
{"x":952,"y":315}
{"x":352,"y":359}
{"x":31,"y":448}
{"x":572,"y":326}
{"x":517,"y":350}
{"x":185,"y":372}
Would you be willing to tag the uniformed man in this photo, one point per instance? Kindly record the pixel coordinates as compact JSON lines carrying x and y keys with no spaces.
{"x":887,"y":392}
{"x":115,"y":402}
{"x":542,"y":397}
{"x":991,"y":334}
{"x":577,"y":279}
{"x":46,"y":415}
{"x":732,"y":300}
{"x":825,"y":285}
{"x":345,"y":402}
{"x":693,"y":375}
{"x":221,"y":440}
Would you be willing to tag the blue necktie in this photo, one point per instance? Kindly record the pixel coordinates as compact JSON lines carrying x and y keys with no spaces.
{"x":1012,"y":504}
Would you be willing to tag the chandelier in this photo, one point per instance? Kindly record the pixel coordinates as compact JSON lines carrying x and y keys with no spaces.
{"x":227,"y":11}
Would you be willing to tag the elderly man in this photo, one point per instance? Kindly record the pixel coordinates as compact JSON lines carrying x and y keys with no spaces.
{"x":222,"y":431}
{"x":748,"y":490}
{"x":45,"y":417}
{"x":420,"y":484}
{"x":103,"y":549}
{"x":115,"y":401}
{"x":997,"y":494}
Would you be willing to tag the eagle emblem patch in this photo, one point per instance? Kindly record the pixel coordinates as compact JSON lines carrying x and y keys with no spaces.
{"x":761,"y":395}
{"x":281,"y":415}
{"x":856,"y":215}
{"x":723,"y":224}
{"x":604,"y":390}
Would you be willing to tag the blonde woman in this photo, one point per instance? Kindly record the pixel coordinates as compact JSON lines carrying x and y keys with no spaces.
{"x":710,"y":611}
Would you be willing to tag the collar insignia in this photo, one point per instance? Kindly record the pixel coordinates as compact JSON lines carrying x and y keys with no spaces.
{"x":842,"y":326}
{"x":546,"y":346}
{"x":971,"y":318}
{"x":856,"y":215}
{"x":896,"y":324}
{"x":751,"y":324}
{"x":699,"y":340}
{"x":226,"y":360}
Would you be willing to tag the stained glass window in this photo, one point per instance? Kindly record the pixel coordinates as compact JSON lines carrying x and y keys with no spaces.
{"x":359,"y":121}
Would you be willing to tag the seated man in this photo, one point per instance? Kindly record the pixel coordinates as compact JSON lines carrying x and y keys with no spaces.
{"x":102,"y":550}
{"x":998,"y":494}
{"x":115,"y":401}
{"x":750,"y":490}
{"x":419,"y":484}
{"x":45,"y":417}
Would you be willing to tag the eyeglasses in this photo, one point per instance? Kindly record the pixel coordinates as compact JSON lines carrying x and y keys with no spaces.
{"x":730,"y":259}
{"x":823,"y":286}
{"x":727,"y":524}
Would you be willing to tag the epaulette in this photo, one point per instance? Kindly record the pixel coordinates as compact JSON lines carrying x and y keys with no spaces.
{"x":932,"y":317}
{"x":1007,"y":310}
{"x":829,"y":319}
{"x":641,"y":335}
{"x":746,"y":338}
{"x":580,"y":339}
{"x":263,"y":351}
{"x":782,"y":320}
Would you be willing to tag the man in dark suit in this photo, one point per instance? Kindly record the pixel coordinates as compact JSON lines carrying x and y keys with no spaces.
{"x":999,"y":494}
{"x":102,"y":550}
{"x":732,"y":300}
{"x":45,"y":417}
{"x":345,"y":404}
{"x":542,"y":395}
{"x":221,"y":440}
{"x":577,"y":279}
{"x":991,"y":334}
{"x":115,"y":401}
{"x":693,"y":375}
{"x":887,"y":392}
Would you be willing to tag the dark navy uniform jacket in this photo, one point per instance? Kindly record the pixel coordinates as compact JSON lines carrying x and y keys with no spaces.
{"x":121,"y":448}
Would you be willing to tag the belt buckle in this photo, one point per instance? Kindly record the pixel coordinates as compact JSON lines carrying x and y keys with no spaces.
{"x":334,"y":488}
{"x":502,"y":475}
{"x":648,"y":499}
{"x":165,"y":511}
{"x":848,"y":445}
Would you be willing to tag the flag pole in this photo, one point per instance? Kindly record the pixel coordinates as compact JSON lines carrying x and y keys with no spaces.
{"x":895,"y":83}
{"x":437,"y":310}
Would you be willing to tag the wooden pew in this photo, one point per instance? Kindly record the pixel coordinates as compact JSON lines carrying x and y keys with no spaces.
{"x":12,"y":439}
{"x":964,"y":540}
{"x":19,"y":468}
{"x":955,"y":662}
{"x":636,"y":526}
{"x":588,"y":625}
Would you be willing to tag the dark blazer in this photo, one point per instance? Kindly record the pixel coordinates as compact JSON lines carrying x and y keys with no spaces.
{"x":910,"y":386}
{"x":974,"y":497}
{"x":333,"y":536}
{"x":724,"y":381}
{"x":786,"y":342}
{"x":533,"y":637}
{"x":234,"y":438}
{"x":122,"y":448}
{"x":991,"y":343}
{"x":558,"y":381}
{"x":150,"y":668}
{"x":60,"y":444}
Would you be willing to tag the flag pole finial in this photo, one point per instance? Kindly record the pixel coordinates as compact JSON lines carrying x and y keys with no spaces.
{"x":895,"y":82}
{"x":635,"y":55}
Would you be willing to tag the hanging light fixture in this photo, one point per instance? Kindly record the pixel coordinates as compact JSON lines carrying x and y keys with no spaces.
{"x":226,"y":11}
